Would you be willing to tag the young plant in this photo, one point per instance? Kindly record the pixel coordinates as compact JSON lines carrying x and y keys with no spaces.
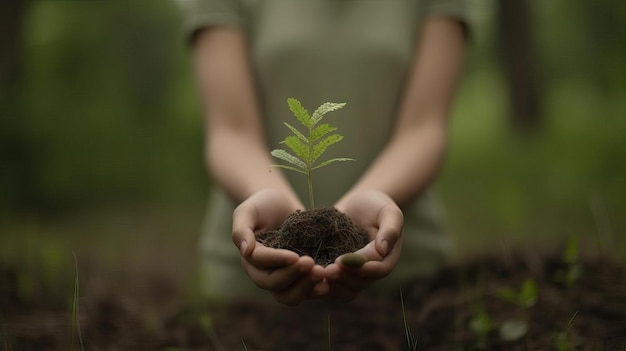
{"x":572,"y":267}
{"x":309,"y":146}
{"x":524,"y":298}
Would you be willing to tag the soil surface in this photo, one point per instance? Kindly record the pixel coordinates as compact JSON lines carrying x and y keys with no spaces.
{"x":321,"y":233}
{"x":588,"y":312}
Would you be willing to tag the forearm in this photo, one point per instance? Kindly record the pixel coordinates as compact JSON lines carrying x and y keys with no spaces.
{"x":406,"y":166}
{"x":236,"y":152}
{"x":241,"y":166}
{"x":415,"y":152}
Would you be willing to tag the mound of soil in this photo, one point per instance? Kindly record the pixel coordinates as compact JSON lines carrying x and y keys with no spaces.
{"x":322,"y":233}
{"x":585,"y":313}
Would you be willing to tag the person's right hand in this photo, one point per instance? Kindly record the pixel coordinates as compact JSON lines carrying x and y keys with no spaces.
{"x":288,"y":277}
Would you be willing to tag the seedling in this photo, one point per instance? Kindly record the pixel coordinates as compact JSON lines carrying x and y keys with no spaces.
{"x":322,"y":233}
{"x":524,"y":298}
{"x":309,"y":146}
{"x":570,"y":258}
{"x":481,"y":325}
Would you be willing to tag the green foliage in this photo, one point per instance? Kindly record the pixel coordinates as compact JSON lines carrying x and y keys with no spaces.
{"x":481,"y":325}
{"x":307,"y":148}
{"x":525,"y":297}
{"x":570,"y":257}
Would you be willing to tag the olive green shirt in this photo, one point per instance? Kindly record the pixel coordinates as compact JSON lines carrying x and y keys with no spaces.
{"x":352,"y":51}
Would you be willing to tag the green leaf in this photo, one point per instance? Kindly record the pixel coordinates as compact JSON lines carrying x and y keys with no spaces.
{"x":297,"y":132}
{"x":290,"y":168}
{"x":319,"y":148}
{"x":321,"y":130}
{"x":298,"y":147}
{"x":481,"y":323}
{"x":300,"y":112}
{"x":331,"y":161}
{"x":528,"y":293}
{"x":319,"y":113}
{"x":570,"y":254}
{"x":285,"y":156}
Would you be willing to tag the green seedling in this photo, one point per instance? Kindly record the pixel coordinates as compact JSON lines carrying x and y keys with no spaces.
{"x":570,"y":257}
{"x":309,"y":146}
{"x":481,"y":325}
{"x":524,"y":298}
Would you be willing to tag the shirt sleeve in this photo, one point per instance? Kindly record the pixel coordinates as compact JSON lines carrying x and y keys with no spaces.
{"x":200,"y":14}
{"x":455,"y":9}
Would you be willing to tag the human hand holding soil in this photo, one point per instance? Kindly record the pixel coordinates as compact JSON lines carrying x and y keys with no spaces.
{"x":379,"y":215}
{"x":289,"y":277}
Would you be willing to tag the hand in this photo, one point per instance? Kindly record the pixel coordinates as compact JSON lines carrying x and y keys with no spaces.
{"x":289,"y":277}
{"x":379,"y":215}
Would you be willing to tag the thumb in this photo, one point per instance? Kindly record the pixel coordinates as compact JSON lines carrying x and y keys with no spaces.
{"x":391,"y":220}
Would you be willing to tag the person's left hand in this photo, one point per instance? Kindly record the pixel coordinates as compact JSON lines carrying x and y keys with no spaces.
{"x":379,"y":215}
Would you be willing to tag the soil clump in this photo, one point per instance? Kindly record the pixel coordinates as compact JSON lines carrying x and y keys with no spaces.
{"x":322,"y":233}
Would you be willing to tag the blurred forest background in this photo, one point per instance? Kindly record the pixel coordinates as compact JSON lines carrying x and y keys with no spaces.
{"x":101,"y":149}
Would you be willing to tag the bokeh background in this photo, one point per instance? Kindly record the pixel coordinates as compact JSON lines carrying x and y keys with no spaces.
{"x":101,"y":145}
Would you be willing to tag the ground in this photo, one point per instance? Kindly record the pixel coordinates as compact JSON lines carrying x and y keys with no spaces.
{"x":459,"y":309}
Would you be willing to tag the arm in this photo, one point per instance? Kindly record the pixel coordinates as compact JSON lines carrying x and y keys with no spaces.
{"x":414,"y":153}
{"x":237,"y":155}
{"x":239,"y":161}
{"x":416,"y":149}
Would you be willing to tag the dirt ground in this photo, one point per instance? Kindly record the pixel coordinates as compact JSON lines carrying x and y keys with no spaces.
{"x":459,"y":309}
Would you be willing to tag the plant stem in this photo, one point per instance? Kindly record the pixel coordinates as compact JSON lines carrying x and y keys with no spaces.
{"x":308,"y":171}
{"x":311,"y":200}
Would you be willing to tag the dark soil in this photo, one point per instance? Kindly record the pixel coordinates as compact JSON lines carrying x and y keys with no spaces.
{"x":321,"y":233}
{"x":588,"y":313}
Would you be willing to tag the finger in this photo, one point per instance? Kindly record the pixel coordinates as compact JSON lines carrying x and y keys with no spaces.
{"x":264,"y":257}
{"x":244,"y":220}
{"x":355,"y":278}
{"x":300,"y":290}
{"x":279,"y":279}
{"x":391,"y":220}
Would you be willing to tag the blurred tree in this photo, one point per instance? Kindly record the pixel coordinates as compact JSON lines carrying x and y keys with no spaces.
{"x":15,"y":160}
{"x":102,"y":111}
{"x":519,"y":59}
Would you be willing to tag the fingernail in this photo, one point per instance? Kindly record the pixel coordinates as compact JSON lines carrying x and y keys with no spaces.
{"x":242,"y":248}
{"x":384,"y":246}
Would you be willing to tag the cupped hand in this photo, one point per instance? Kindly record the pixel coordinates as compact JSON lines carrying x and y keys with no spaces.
{"x":379,"y":215}
{"x":287,"y":276}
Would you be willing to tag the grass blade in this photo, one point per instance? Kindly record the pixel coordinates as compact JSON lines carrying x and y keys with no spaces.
{"x":75,"y":317}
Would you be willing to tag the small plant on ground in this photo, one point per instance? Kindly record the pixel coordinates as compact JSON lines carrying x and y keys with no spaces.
{"x":321,"y":233}
{"x":481,"y":324}
{"x":524,"y":298}
{"x":571,"y":268}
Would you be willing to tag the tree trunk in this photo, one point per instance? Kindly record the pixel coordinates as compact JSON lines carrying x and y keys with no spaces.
{"x":519,"y":61}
